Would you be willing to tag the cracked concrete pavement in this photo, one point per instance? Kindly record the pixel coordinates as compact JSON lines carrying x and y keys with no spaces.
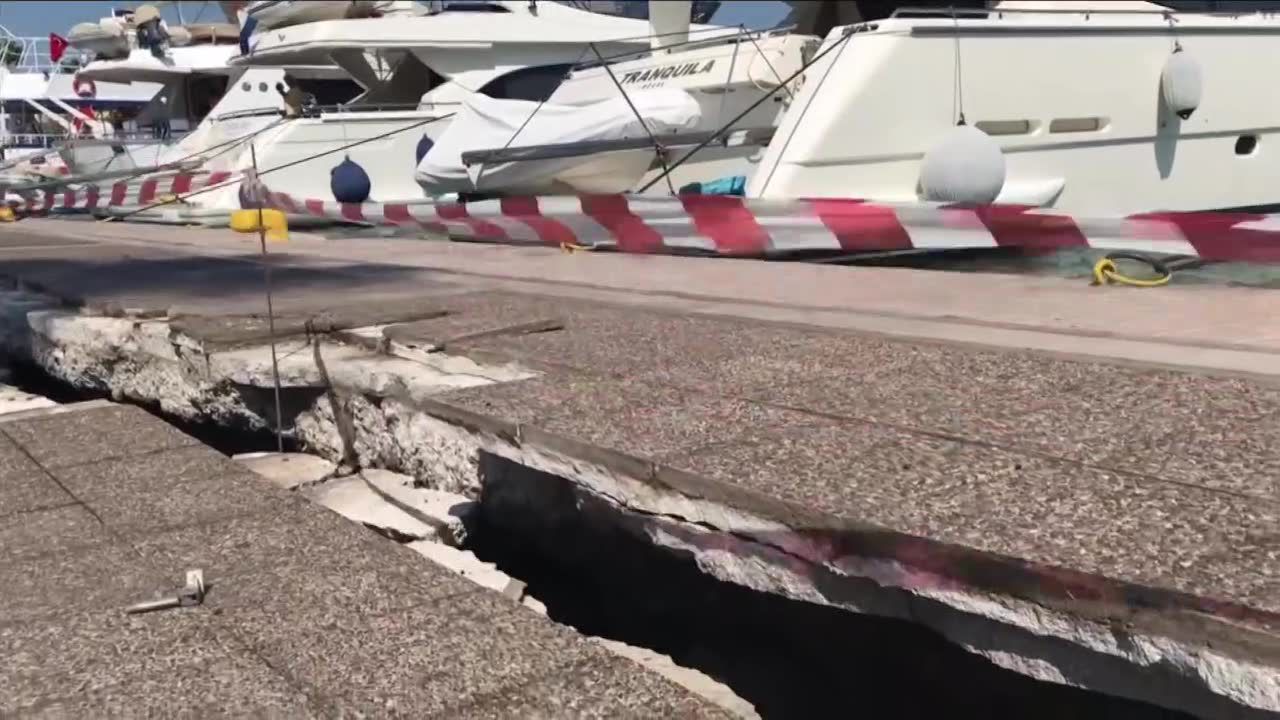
{"x":1072,"y":503}
{"x":308,"y":615}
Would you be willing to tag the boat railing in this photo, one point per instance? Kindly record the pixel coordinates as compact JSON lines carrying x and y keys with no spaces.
{"x":27,"y":54}
{"x":709,"y":37}
{"x":135,"y":138}
{"x":550,"y":151}
{"x":949,"y":13}
{"x":31,"y":140}
{"x":361,"y":108}
{"x":247,"y":113}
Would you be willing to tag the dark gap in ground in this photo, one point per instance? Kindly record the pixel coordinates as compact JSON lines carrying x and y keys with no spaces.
{"x":786,"y":657}
{"x":31,"y":378}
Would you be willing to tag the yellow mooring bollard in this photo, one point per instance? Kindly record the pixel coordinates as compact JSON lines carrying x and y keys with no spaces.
{"x":273,"y":222}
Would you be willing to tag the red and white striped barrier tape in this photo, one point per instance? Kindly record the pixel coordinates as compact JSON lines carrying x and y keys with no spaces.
{"x":733,"y":226}
{"x":141,"y":191}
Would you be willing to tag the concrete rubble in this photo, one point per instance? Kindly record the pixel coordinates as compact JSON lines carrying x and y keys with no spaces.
{"x":351,"y":498}
{"x":447,"y":512}
{"x":288,"y":470}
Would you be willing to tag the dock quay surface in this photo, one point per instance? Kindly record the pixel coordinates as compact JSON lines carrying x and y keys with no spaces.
{"x":307,"y":615}
{"x":1080,"y":485}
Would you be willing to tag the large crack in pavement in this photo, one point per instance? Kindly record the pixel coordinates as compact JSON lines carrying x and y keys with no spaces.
{"x":361,"y":406}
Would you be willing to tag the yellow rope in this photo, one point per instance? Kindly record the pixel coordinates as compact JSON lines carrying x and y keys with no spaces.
{"x":1105,"y":271}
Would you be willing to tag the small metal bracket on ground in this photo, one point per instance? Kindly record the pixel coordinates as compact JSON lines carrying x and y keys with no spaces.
{"x":189,"y":595}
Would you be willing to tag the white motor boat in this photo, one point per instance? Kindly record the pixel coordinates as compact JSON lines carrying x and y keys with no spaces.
{"x":616,"y":144}
{"x":191,"y":81}
{"x":413,"y":74}
{"x":1092,"y":109}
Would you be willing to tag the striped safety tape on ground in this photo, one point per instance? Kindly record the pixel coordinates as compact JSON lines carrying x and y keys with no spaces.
{"x":141,"y":191}
{"x":735,"y":226}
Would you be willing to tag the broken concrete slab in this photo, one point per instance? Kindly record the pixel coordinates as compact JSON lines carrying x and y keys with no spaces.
{"x":288,"y":470}
{"x":695,"y":681}
{"x":484,"y":574}
{"x":13,"y":400}
{"x":352,"y":498}
{"x":446,"y":511}
{"x":224,"y":331}
{"x":692,"y":465}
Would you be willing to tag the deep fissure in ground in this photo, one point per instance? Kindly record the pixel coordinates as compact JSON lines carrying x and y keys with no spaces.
{"x":31,"y":378}
{"x":788,"y":658}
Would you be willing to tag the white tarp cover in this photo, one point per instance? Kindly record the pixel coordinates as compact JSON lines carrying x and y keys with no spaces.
{"x":487,"y":123}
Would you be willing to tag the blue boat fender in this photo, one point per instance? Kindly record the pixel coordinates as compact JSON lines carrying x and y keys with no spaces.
{"x":349,"y":182}
{"x":424,"y":147}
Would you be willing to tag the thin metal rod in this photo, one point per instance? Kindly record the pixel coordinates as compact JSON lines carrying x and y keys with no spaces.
{"x":747,"y":111}
{"x":657,"y":147}
{"x":271,"y":311}
{"x":728,"y":81}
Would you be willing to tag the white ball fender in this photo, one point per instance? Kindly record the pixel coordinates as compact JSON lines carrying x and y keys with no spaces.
{"x":967,"y":166}
{"x":1181,"y":84}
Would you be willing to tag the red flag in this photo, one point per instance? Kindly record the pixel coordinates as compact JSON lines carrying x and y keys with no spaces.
{"x":57,"y":46}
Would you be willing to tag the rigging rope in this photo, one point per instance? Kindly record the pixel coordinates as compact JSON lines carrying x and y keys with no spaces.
{"x":299,"y":161}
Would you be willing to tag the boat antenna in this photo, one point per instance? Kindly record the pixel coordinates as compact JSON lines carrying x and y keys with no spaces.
{"x":957,"y":100}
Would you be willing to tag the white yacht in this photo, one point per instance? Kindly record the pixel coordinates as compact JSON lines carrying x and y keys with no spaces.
{"x":186,"y":81}
{"x":611,"y":126}
{"x":1092,"y":108}
{"x":412,"y":74}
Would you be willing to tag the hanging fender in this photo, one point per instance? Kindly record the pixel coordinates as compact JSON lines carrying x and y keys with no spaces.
{"x":1181,"y":83}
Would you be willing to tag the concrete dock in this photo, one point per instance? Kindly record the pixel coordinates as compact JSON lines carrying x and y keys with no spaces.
{"x":307,"y":615}
{"x":1079,"y":484}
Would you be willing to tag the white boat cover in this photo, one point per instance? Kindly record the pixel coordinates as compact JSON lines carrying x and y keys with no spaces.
{"x":486,"y":123}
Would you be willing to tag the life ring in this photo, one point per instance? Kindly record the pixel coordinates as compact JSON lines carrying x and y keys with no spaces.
{"x":84,"y":87}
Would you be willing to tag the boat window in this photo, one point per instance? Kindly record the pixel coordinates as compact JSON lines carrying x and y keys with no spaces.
{"x":1073,"y":125}
{"x":203,"y":93}
{"x":531,"y":83}
{"x":1004,"y":127}
{"x":1246,"y":144}
{"x":329,"y":91}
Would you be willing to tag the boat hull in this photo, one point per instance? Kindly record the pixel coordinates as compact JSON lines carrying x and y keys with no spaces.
{"x":1074,"y":102}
